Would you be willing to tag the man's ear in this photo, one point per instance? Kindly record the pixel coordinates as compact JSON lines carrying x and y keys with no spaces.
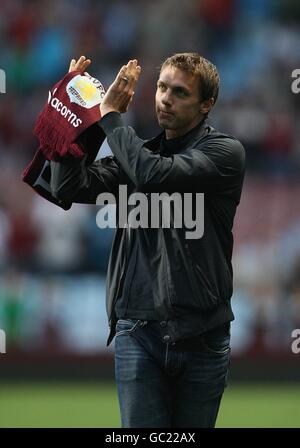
{"x":206,"y":106}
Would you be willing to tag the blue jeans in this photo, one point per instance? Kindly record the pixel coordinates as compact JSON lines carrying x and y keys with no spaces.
{"x":165,"y":385}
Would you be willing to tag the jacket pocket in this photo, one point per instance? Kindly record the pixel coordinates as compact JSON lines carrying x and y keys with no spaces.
{"x":204,"y":294}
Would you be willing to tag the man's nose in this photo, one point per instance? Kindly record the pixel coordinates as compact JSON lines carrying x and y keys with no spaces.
{"x":166,"y":98}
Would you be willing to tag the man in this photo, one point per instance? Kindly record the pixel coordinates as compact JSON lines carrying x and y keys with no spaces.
{"x":168,"y":296}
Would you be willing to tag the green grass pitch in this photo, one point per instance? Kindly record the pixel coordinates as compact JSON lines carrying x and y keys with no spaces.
{"x":96,"y":405}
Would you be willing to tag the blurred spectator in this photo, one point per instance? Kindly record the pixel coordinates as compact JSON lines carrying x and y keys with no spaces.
{"x":98,"y":241}
{"x":12,"y":308}
{"x":4,"y":232}
{"x":22,"y":239}
{"x":61,"y":246}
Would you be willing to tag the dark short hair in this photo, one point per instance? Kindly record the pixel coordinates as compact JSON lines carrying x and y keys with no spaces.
{"x":209,"y":79}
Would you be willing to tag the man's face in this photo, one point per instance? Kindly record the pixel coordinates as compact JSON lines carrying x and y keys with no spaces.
{"x":177,"y":101}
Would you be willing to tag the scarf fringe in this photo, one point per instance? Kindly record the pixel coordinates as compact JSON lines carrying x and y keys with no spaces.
{"x":45,"y":130}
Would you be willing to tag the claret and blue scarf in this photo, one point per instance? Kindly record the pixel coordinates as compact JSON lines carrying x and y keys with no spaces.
{"x":67,"y":121}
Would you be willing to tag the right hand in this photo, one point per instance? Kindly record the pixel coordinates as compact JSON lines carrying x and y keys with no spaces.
{"x":80,"y":65}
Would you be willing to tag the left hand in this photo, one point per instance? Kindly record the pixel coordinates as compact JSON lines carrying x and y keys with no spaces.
{"x":120,"y":93}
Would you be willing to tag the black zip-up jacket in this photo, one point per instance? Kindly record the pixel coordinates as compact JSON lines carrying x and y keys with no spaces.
{"x":191,"y":278}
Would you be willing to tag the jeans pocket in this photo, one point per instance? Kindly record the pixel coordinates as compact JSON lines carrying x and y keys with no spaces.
{"x":216,"y":346}
{"x":127,"y":326}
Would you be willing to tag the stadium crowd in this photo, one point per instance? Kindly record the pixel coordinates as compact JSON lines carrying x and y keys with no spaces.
{"x":255,"y":46}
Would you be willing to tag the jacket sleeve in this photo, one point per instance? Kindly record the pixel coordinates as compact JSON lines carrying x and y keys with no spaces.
{"x":73,"y":181}
{"x":214,"y":166}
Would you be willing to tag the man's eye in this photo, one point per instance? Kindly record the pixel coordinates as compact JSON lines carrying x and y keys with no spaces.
{"x":180,"y":93}
{"x":162,"y":87}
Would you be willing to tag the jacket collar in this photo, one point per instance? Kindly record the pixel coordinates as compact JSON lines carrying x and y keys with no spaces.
{"x":175,"y":145}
